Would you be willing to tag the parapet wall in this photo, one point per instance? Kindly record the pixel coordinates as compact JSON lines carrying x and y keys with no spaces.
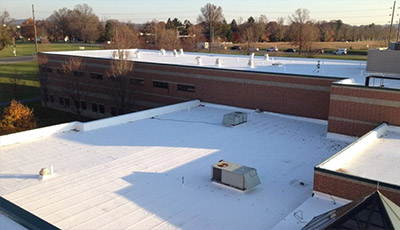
{"x":102,"y":123}
{"x":355,"y":110}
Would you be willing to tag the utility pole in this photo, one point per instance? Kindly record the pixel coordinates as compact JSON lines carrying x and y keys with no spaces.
{"x":391,"y":23}
{"x":398,"y":28}
{"x":34,"y":28}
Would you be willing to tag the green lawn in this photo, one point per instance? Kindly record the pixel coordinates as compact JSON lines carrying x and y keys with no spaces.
{"x":19,"y":81}
{"x":23,"y":70}
{"x":28,"y":49}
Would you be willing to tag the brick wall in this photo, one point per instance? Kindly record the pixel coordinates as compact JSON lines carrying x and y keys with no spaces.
{"x":306,"y":96}
{"x":352,"y":188}
{"x":355,"y":110}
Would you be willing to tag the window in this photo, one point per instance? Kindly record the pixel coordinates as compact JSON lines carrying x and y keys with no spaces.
{"x":186,"y":88}
{"x":160,"y":84}
{"x":66,"y":102}
{"x":79,"y":74}
{"x":83,"y":105}
{"x":96,"y":76}
{"x":94,"y":107}
{"x":51,"y":98}
{"x":47,"y":70}
{"x":137,"y":81}
{"x":101,"y":109}
{"x":61,"y":100}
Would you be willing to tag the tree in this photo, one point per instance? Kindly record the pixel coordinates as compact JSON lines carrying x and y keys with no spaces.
{"x":298,"y":20}
{"x":168,"y":39}
{"x":250,"y":32}
{"x":211,"y":17}
{"x":27,"y":30}
{"x":122,"y":35}
{"x":5,"y":32}
{"x":58,"y":24}
{"x":85,"y":24}
{"x":44,"y":79}
{"x":17,"y":117}
{"x":119,"y":90}
{"x":74,"y":87}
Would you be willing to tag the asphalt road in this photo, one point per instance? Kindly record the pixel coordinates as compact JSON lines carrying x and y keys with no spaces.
{"x":12,"y":60}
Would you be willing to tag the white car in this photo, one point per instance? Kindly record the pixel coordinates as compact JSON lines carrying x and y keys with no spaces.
{"x":340,"y":51}
{"x":272,"y":49}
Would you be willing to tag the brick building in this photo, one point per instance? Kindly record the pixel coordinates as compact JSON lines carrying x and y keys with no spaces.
{"x":302,"y":87}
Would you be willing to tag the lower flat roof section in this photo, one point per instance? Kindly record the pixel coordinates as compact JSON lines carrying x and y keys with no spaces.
{"x":155,"y":172}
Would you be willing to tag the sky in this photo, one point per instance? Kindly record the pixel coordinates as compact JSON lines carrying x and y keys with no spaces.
{"x":353,"y":12}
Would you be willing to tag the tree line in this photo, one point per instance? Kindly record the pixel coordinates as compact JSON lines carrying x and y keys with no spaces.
{"x":81,"y":24}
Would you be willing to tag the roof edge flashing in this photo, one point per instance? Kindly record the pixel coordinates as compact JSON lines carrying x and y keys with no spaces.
{"x":334,"y":162}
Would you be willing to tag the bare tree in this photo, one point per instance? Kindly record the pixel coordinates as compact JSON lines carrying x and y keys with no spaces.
{"x":74,"y":85}
{"x":298,"y":21}
{"x":44,"y":78}
{"x":87,"y":26}
{"x":119,"y":88}
{"x":168,"y":39}
{"x":123,"y":36}
{"x":211,"y":17}
{"x":248,"y":33}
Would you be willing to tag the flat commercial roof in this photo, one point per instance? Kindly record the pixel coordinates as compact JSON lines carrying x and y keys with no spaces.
{"x":376,"y":158}
{"x":155,"y":172}
{"x":354,"y":70}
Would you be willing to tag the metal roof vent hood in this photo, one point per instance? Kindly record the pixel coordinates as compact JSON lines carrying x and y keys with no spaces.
{"x":235,"y":175}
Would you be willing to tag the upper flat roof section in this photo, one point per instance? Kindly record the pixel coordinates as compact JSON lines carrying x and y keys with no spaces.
{"x":375,"y":156}
{"x":155,"y":173}
{"x":355,"y":70}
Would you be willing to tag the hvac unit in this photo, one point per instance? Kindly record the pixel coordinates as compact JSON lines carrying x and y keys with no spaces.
{"x":235,"y":118}
{"x":234,"y":175}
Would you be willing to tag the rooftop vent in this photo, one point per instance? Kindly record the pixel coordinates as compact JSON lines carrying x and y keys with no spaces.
{"x":115,"y":54}
{"x":234,"y":175}
{"x":181,"y":51}
{"x":251,"y":63}
{"x":175,"y":53}
{"x":162,"y":52}
{"x":199,"y":62}
{"x":266,"y":57}
{"x":218,"y":62}
{"x":235,"y":118}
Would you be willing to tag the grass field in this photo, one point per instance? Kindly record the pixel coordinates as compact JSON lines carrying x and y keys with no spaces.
{"x":19,"y":81}
{"x":28,"y":49}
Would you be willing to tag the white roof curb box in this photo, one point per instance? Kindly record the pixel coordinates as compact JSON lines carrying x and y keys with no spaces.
{"x":235,"y":175}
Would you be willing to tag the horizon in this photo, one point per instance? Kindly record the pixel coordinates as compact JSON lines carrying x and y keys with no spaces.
{"x":362,"y":12}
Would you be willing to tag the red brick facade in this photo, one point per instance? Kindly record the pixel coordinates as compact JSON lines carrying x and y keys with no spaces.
{"x":352,"y":188}
{"x":355,"y":110}
{"x":306,"y":96}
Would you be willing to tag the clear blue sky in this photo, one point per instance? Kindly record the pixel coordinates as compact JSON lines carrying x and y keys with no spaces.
{"x":354,"y":12}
